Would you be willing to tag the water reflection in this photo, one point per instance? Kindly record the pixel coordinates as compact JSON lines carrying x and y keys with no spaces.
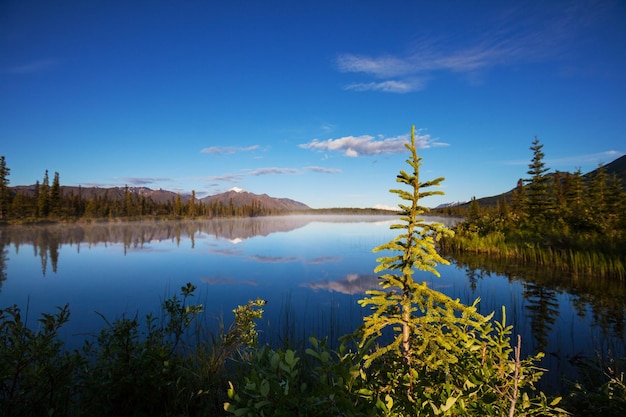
{"x":351,"y":284}
{"x":311,"y":269}
{"x":602,"y":298}
{"x":46,"y":240}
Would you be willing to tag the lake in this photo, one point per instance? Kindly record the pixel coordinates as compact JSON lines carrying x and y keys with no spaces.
{"x":310,"y":269}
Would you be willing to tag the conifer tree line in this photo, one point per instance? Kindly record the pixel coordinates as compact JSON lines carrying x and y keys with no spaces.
{"x":558,"y":211}
{"x":49,"y":202}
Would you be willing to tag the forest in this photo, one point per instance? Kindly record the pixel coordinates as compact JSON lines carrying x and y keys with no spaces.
{"x":48,"y":202}
{"x":557,"y":219}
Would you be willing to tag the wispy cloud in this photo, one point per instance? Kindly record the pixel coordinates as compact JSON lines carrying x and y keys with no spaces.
{"x":273,"y":171}
{"x":226,"y":150}
{"x":227,"y":178}
{"x":143,"y":181}
{"x":323,"y":170}
{"x":511,"y":36}
{"x":594,"y":158}
{"x":391,"y":86}
{"x":574,"y":161}
{"x":33,"y":67}
{"x":354,"y":146}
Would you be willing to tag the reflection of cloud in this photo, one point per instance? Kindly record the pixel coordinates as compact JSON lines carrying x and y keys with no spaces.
{"x":228,"y":281}
{"x":273,"y":259}
{"x":226,"y":251}
{"x":323,"y":260}
{"x":351,"y":284}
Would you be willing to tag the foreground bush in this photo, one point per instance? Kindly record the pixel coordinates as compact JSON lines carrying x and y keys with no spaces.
{"x":129,"y":369}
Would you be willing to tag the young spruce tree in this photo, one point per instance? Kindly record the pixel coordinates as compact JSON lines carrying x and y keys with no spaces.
{"x":437,"y":355}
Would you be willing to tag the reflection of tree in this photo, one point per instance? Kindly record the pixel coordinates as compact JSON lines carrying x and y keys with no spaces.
{"x":47,"y":240}
{"x":3,"y":260}
{"x":603,"y":297}
{"x":543,"y":307}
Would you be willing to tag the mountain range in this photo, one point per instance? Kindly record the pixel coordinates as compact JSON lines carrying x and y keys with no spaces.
{"x":237,"y":196}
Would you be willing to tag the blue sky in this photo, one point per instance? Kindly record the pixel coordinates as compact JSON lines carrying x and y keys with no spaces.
{"x":308,"y":100}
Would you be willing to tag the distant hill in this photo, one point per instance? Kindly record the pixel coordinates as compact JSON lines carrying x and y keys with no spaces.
{"x":238,"y":196}
{"x":617,"y":167}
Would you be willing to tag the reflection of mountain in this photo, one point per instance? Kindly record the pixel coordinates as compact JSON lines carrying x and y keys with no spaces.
{"x":136,"y":234}
{"x":351,"y":284}
{"x":48,"y":239}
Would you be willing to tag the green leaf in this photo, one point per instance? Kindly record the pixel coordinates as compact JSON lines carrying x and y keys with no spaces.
{"x":264,"y":389}
{"x":449,"y":403}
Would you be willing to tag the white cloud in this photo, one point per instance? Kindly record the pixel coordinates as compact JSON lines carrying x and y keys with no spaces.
{"x":323,"y":170}
{"x":223,"y":150}
{"x":574,"y":161}
{"x":390,"y":86}
{"x":273,"y":171}
{"x":354,"y":146}
{"x":143,"y":181}
{"x":227,"y":178}
{"x":386,"y":207}
{"x":385,"y":66}
{"x":510,"y":36}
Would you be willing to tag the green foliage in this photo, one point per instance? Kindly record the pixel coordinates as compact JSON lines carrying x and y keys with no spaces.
{"x":282,"y":383}
{"x":601,"y":388}
{"x":129,"y":369}
{"x":36,"y":374}
{"x":134,"y":370}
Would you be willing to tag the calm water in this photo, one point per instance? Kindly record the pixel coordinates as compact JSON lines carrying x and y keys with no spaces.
{"x":310,"y":269}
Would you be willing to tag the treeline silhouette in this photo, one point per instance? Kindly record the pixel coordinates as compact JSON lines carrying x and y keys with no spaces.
{"x":47,"y":201}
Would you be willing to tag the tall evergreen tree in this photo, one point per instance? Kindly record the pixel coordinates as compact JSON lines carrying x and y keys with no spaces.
{"x":416,"y":247}
{"x":56,"y":196}
{"x":178,"y":206}
{"x":538,"y":202}
{"x":191,"y":204}
{"x":5,"y":193}
{"x":596,"y":201}
{"x":518,"y":199}
{"x":43,"y":200}
{"x":574,"y":193}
